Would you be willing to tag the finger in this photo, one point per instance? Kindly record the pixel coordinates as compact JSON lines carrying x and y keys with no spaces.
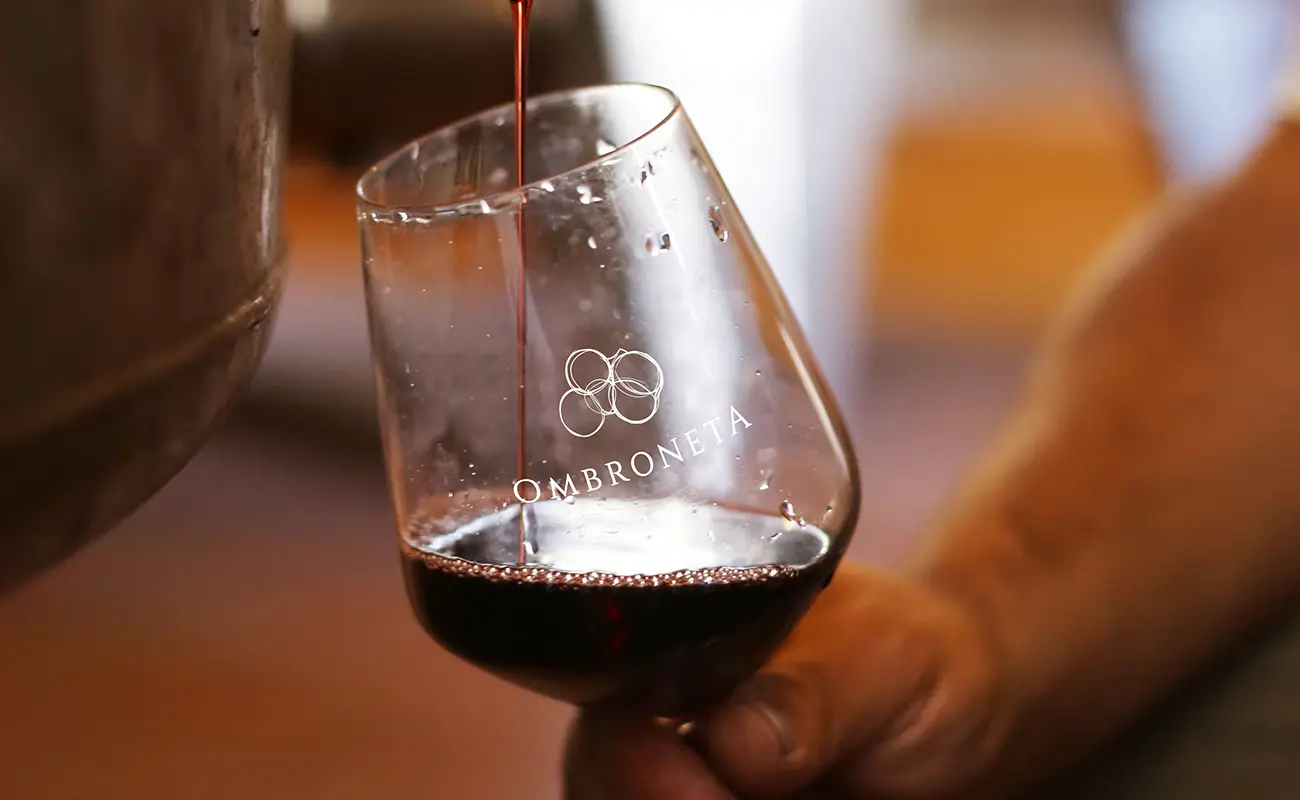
{"x":862,"y":677}
{"x":614,"y":757}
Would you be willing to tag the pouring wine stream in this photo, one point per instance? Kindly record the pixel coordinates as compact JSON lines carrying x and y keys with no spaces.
{"x":520,"y":11}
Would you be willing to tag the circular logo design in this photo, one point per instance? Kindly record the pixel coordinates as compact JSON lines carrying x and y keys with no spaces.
{"x":591,"y":400}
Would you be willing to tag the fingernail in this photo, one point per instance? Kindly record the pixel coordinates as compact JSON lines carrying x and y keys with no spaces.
{"x":764,"y":697}
{"x":780,"y":728}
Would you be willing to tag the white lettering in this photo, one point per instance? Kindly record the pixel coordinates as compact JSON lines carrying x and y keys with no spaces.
{"x":713,"y":426}
{"x":537,"y":490}
{"x":676,"y":452}
{"x":649,"y":462}
{"x":559,"y":492}
{"x":569,"y":488}
{"x":736,"y":417}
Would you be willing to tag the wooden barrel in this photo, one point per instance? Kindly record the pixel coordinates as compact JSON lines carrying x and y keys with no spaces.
{"x":141,"y":249}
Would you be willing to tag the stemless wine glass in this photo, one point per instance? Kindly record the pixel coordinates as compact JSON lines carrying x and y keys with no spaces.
{"x":617,"y":473}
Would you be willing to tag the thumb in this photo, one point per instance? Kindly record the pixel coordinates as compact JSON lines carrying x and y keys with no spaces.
{"x":882,"y":684}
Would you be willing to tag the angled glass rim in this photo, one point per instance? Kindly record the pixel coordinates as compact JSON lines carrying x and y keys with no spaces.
{"x":492,"y":202}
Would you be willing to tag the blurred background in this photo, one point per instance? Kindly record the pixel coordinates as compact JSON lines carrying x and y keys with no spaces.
{"x":927,"y":177}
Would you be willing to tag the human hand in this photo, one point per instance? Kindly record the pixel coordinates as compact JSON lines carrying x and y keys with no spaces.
{"x":887,"y":690}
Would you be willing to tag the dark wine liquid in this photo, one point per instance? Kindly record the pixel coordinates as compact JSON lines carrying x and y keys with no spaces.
{"x":521,"y":10}
{"x":665,"y":610}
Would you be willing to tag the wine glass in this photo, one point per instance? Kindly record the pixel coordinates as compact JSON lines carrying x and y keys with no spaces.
{"x":617,"y":473}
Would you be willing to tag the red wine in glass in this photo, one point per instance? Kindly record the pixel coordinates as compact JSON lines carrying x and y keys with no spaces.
{"x":585,"y":625}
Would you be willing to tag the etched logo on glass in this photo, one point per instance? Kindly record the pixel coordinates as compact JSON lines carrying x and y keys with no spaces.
{"x":626,"y":386}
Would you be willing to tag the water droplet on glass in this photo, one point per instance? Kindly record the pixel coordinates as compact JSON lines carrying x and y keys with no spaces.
{"x":585,"y":195}
{"x":604,"y":148}
{"x":654,"y":245}
{"x":591,"y":242}
{"x":758,"y":373}
{"x":787,"y":510}
{"x":402,"y":216}
{"x":766,"y":482}
{"x":718,"y":225}
{"x":569,"y":500}
{"x":547,"y":186}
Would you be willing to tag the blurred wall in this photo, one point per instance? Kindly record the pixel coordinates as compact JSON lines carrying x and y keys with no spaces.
{"x":1208,"y":71}
{"x":792,"y":100}
{"x":950,"y":165}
